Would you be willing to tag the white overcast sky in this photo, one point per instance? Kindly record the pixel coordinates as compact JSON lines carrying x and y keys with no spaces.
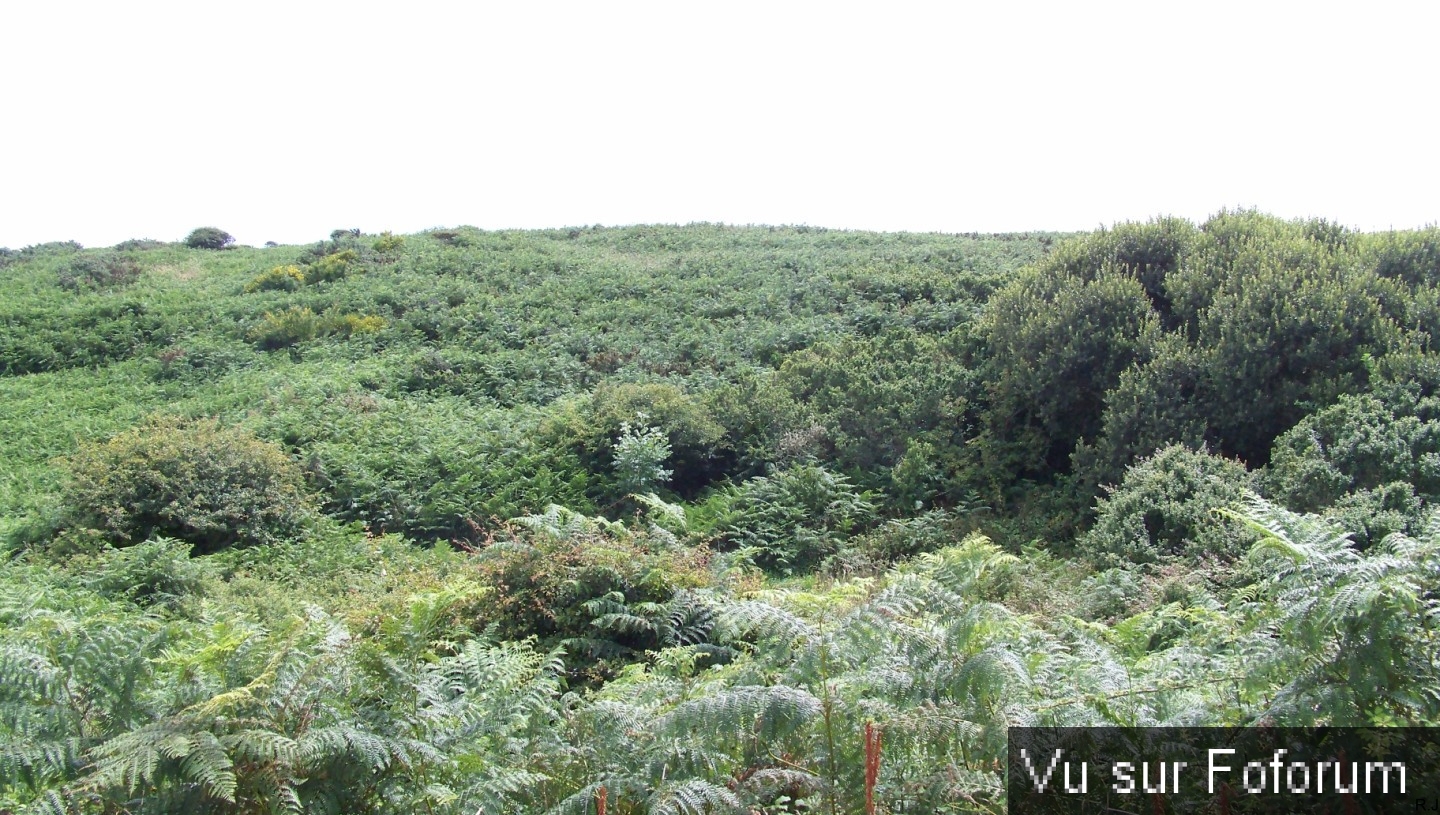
{"x":284,"y":120}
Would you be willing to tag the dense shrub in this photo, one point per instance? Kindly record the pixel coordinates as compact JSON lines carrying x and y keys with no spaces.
{"x":438,"y":468}
{"x":333,"y":266}
{"x":285,"y":328}
{"x":297,"y":324}
{"x":1370,"y":464}
{"x":882,"y":400}
{"x":139,"y":244}
{"x":208,"y":237}
{"x":558,"y":580}
{"x":1359,"y":443}
{"x":197,"y":481}
{"x":91,"y":331}
{"x":1165,"y":510}
{"x":158,"y":572}
{"x":592,"y":427}
{"x":388,"y":244}
{"x":639,"y":453}
{"x":278,"y":278}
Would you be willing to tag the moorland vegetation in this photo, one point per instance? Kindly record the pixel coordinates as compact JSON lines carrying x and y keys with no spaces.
{"x":699,"y":519}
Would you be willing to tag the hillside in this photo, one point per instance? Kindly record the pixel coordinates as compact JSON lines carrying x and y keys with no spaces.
{"x":469,"y":520}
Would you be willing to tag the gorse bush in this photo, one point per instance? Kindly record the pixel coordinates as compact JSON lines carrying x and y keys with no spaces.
{"x":1164,"y":511}
{"x":285,"y":328}
{"x":278,"y":278}
{"x":208,"y":237}
{"x":387,"y":243}
{"x":331,"y":267}
{"x":195,"y":481}
{"x":794,"y":518}
{"x":296,"y":325}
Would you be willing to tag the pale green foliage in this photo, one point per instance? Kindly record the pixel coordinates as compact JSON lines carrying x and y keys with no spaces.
{"x":1354,"y":630}
{"x":640,"y":453}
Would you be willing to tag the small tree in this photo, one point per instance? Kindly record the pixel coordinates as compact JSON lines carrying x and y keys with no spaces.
{"x":209,"y":237}
{"x":639,"y":454}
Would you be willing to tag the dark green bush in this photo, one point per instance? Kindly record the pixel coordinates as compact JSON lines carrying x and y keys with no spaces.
{"x":196,"y":481}
{"x":1359,"y":443}
{"x":208,"y":237}
{"x":591,"y":428}
{"x":139,"y":245}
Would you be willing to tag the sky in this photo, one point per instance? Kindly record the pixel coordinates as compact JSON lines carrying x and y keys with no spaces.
{"x":281,"y":121}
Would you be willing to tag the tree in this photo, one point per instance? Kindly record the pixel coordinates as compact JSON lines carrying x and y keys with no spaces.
{"x":208,"y":237}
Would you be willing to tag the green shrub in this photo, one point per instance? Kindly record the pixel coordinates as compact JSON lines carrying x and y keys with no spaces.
{"x":334,"y":266}
{"x":196,"y":481}
{"x":388,"y":243}
{"x":139,"y":245}
{"x":1359,"y":443}
{"x":286,"y":328}
{"x":208,"y":237}
{"x":559,"y":583}
{"x":592,"y":428}
{"x":279,"y":278}
{"x":639,"y":453}
{"x":297,"y":324}
{"x":1165,"y":511}
{"x":346,"y":325}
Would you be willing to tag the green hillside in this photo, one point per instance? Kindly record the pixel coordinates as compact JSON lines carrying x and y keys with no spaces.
{"x":667,"y":516}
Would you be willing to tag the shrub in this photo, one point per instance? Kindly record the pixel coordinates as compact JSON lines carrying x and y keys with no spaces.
{"x":154,"y":573}
{"x":608,"y":594}
{"x":208,"y":237}
{"x":196,"y":481}
{"x":591,"y":429}
{"x":1359,"y":443}
{"x":286,"y":328}
{"x":280,"y":278}
{"x":333,"y":266}
{"x":388,"y":243}
{"x":139,"y":244}
{"x":97,"y":271}
{"x":639,"y":454}
{"x":297,"y":324}
{"x":1164,"y":511}
{"x":345,"y":325}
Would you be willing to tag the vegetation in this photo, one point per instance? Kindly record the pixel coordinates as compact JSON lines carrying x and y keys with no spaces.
{"x":208,"y":237}
{"x":700,"y":519}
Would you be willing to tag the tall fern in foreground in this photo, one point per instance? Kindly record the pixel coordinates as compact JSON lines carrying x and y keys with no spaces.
{"x":1354,"y":632}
